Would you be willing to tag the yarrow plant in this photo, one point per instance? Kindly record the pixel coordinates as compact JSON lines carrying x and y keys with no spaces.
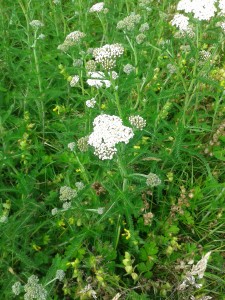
{"x":112,"y":149}
{"x":107,"y":55}
{"x":129,"y":22}
{"x":97,"y":80}
{"x":137,"y":122}
{"x":36,"y":24}
{"x":72,"y":39}
{"x":98,"y":7}
{"x":108,"y":131}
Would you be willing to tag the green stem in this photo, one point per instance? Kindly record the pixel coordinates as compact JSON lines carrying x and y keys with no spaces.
{"x":83,"y":171}
{"x":124,"y":175}
{"x":36,"y":61}
{"x":136,"y":72}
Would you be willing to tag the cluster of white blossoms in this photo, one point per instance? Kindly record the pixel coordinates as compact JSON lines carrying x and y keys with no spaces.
{"x":181,"y":22}
{"x":144,"y":27}
{"x":74,"y":81}
{"x":108,"y":131}
{"x":202,"y":298}
{"x":137,"y":121}
{"x":97,"y":79}
{"x":202,"y":10}
{"x":129,"y":22}
{"x":91,"y":103}
{"x":36,"y":24}
{"x":221,"y":5}
{"x":140,"y":38}
{"x":66,"y":193}
{"x":82,"y":143}
{"x":196,"y":270}
{"x":71,"y":39}
{"x":153,"y":180}
{"x":204,"y":55}
{"x":128,"y":68}
{"x":108,"y":54}
{"x":98,"y":7}
{"x":71,"y":146}
{"x":34,"y":290}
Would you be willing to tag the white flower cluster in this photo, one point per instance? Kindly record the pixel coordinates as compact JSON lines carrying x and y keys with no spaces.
{"x":140,"y":38}
{"x":79,"y":185}
{"x":153,"y":180}
{"x":71,"y":146}
{"x":82,"y":143}
{"x":202,"y":10}
{"x":97,"y":79}
{"x":71,"y":39}
{"x":181,"y":22}
{"x":66,"y":193}
{"x":145,"y":4}
{"x":36,"y":24}
{"x":202,"y":298}
{"x":90,"y":65}
{"x":98,"y":7}
{"x":221,"y":5}
{"x":74,"y":81}
{"x":197,"y":270}
{"x":129,"y":22}
{"x":91,"y":103}
{"x":204,"y":55}
{"x":108,"y":54}
{"x":34,"y":290}
{"x":144,"y":27}
{"x":137,"y":121}
{"x":75,"y":36}
{"x":60,"y":274}
{"x":171,"y":68}
{"x":128,"y":68}
{"x":107,"y":132}
{"x":16,"y":288}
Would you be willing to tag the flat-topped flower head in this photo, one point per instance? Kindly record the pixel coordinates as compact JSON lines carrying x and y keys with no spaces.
{"x":137,"y":121}
{"x":108,"y":131}
{"x":66,"y":193}
{"x":36,"y":24}
{"x":153,"y":180}
{"x":181,"y":22}
{"x":129,"y":22}
{"x":128,"y":68}
{"x":82,"y":144}
{"x":202,"y":10}
{"x":98,"y":7}
{"x":74,"y":81}
{"x":91,"y":103}
{"x":108,"y":54}
{"x":34,"y":290}
{"x":97,"y":79}
{"x":221,"y":6}
{"x":75,"y":36}
{"x":71,"y":39}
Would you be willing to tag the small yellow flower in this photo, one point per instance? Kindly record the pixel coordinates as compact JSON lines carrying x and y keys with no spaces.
{"x":136,"y":147}
{"x":127,"y":234}
{"x":36,"y":247}
{"x":61,"y":223}
{"x":59,"y":109}
{"x":78,"y":170}
{"x":71,"y":221}
{"x":103,"y":106}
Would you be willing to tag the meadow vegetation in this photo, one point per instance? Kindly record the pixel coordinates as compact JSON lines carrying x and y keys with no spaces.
{"x":112,"y":153}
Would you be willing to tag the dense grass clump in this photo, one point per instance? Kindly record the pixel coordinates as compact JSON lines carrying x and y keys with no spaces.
{"x":112,"y":152}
